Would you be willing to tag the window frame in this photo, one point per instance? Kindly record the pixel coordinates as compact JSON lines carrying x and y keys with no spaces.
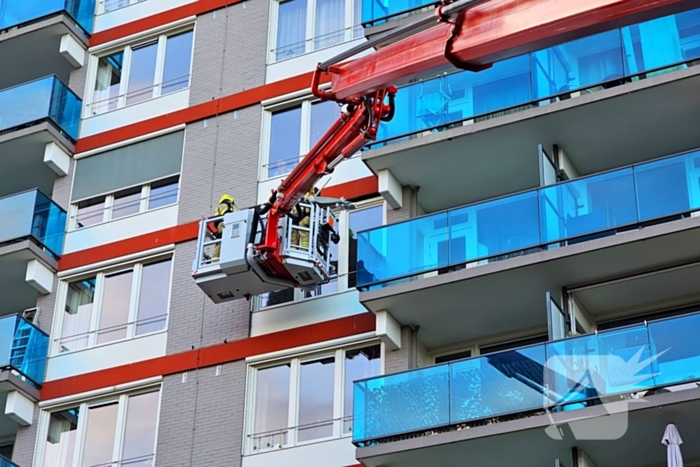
{"x":127,"y":49}
{"x":107,"y":213}
{"x":136,"y":267}
{"x":342,"y":273}
{"x":338,"y":352}
{"x":83,"y":406}
{"x":350,"y":24}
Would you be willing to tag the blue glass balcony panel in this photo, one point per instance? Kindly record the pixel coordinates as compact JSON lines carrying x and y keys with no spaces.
{"x":4,"y":462}
{"x":31,"y":214}
{"x":416,"y":246}
{"x":560,"y":375}
{"x":668,"y":186}
{"x":497,"y":384}
{"x":675,"y":345}
{"x":402,"y":402}
{"x":577,"y":64}
{"x":17,"y":12}
{"x":45,"y":98}
{"x":23,"y":348}
{"x":587,"y":205}
{"x":494,"y":227}
{"x":375,"y":10}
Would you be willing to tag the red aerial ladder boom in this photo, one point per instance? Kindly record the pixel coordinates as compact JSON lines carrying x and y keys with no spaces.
{"x":467,"y":34}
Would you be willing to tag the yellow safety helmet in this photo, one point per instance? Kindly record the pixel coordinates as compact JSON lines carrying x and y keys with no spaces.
{"x":228,"y":198}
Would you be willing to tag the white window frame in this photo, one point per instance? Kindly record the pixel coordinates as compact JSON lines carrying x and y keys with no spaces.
{"x":102,"y":5}
{"x":137,"y":268}
{"x":339,"y":417}
{"x":83,"y":407}
{"x":350,"y":25}
{"x":127,"y":49}
{"x":109,"y":204}
{"x":341,"y":278}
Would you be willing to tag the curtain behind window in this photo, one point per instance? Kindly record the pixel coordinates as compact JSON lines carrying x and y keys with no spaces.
{"x":330,"y":20}
{"x":291,"y":29}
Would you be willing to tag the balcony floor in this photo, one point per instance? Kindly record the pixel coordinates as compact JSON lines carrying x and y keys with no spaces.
{"x":603,"y":130}
{"x":509,"y":295}
{"x":22,"y":159}
{"x":40,"y":41}
{"x":524,"y":442}
{"x":16,"y":293}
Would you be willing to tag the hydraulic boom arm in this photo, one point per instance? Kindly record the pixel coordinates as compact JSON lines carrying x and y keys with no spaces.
{"x":469,"y":34}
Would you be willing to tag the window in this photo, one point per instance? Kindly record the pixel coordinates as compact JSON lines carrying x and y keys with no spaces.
{"x":140,"y":72}
{"x":116,"y":432}
{"x":115,"y":305}
{"x":308,"y":398}
{"x":295,"y":130}
{"x":368,"y":214}
{"x":125,"y":203}
{"x":111,"y":5}
{"x":308,"y":25}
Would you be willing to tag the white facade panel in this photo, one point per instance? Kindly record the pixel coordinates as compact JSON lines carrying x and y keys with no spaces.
{"x":335,"y":453}
{"x":106,"y":356}
{"x":133,"y":12}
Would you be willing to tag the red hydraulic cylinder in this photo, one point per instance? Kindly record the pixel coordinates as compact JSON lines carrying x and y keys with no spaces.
{"x":489,"y":32}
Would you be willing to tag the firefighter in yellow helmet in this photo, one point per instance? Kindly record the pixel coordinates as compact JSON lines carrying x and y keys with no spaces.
{"x":301,"y":216}
{"x":226,"y":205}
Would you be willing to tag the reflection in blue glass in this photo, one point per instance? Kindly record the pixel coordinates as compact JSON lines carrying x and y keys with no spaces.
{"x":16,"y":12}
{"x":23,"y":348}
{"x":45,"y":98}
{"x":33,"y":214}
{"x":374,"y":10}
{"x":5,"y":462}
{"x":563,"y":375}
{"x":402,"y":402}
{"x":587,"y":205}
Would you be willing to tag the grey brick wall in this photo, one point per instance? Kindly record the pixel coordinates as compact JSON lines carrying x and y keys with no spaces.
{"x":195,"y":321}
{"x":77,"y":79}
{"x":229,"y":51}
{"x":409,"y":209}
{"x":201,"y":420}
{"x":406,"y":357}
{"x":23,"y":451}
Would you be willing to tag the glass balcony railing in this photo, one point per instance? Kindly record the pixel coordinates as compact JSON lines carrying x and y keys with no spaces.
{"x":23,"y":349}
{"x":574,"y":211}
{"x":4,"y":462}
{"x":31,"y":214}
{"x":17,"y":12}
{"x":36,"y":101}
{"x":375,"y":12}
{"x":584,"y":65}
{"x":559,"y":375}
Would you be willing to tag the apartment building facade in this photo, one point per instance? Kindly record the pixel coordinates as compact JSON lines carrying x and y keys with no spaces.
{"x":511,"y":229}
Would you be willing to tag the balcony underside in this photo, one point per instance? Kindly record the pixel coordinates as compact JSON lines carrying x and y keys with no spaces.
{"x":525,"y":443}
{"x":509,"y":295}
{"x":22,"y":158}
{"x":599,"y":131}
{"x":16,"y":293}
{"x":36,"y":46}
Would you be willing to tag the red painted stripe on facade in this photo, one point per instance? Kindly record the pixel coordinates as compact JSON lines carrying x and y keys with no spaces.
{"x":356,"y":189}
{"x":210,"y":356}
{"x":196,"y":112}
{"x":177,"y":234}
{"x":159,"y":19}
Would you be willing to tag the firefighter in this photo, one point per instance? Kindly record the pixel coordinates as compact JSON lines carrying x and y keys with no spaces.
{"x":301,"y":216}
{"x":226,"y":205}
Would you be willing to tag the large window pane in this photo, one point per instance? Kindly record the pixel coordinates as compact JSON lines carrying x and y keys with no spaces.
{"x":153,"y":299}
{"x":59,"y":448}
{"x":115,"y":307}
{"x":362,"y":219}
{"x":163,"y":193}
{"x":100,"y":432}
{"x":359,"y":364}
{"x":178,"y":56}
{"x":126,"y":202}
{"x":140,"y":430}
{"x":323,"y":114}
{"x":77,"y":314}
{"x":277,"y":297}
{"x":291,"y":29}
{"x":285,"y":134}
{"x":90,"y":212}
{"x":271,"y":407}
{"x":109,"y":76}
{"x":316,"y":399}
{"x":142,"y":73}
{"x":330,"y":21}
